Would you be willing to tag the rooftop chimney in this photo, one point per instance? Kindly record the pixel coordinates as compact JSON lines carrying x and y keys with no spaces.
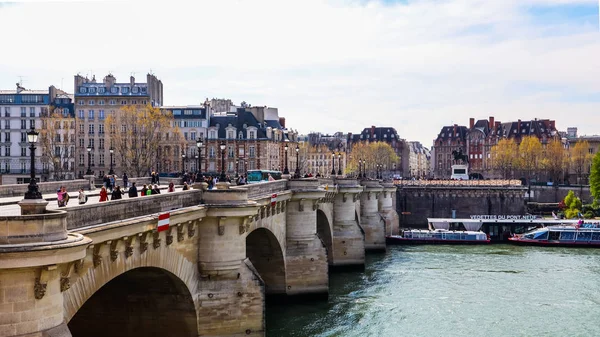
{"x":454,"y":132}
{"x":519,"y":126}
{"x":471,"y":122}
{"x":492,"y":122}
{"x":132,"y":80}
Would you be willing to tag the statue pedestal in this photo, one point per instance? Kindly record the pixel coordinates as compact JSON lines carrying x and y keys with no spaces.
{"x":33,"y":206}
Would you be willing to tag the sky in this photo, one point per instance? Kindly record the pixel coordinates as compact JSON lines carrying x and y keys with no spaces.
{"x":327,"y":65}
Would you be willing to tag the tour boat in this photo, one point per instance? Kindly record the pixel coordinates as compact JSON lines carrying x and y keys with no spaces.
{"x":440,"y":233}
{"x":584,"y":235}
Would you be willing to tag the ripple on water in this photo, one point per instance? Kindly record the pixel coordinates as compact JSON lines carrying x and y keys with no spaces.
{"x":455,"y":291}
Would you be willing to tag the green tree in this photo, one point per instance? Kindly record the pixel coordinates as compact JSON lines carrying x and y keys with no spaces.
{"x":373,"y":154}
{"x":595,"y":177}
{"x":573,"y":205}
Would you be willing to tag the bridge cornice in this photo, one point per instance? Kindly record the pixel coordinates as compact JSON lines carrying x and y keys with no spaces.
{"x":36,"y":255}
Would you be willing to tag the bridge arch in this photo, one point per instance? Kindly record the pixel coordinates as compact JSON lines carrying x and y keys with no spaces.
{"x":145,"y":301}
{"x":324,"y":233}
{"x":266,"y":254}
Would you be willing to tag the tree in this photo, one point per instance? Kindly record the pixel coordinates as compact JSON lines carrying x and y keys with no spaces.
{"x":373,"y":153}
{"x":573,"y":205}
{"x":555,"y":160}
{"x":504,"y":156}
{"x":580,"y":158}
{"x":595,"y":177}
{"x":530,"y":153}
{"x":137,"y":133}
{"x":57,"y":143}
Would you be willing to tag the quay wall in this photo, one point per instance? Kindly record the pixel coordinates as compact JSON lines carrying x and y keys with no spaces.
{"x":415,"y":204}
{"x":549,"y":194}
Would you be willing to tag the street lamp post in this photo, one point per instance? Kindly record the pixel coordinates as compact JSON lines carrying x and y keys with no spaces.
{"x":199,"y":144}
{"x":285,"y":169}
{"x":182,"y":164}
{"x":112,"y":151}
{"x":222,"y":147}
{"x":297,"y":162}
{"x":364,"y":168}
{"x":32,"y":189}
{"x":359,"y":168}
{"x":332,"y":164}
{"x":89,"y":170}
{"x":339,"y":164}
{"x":237,"y":167}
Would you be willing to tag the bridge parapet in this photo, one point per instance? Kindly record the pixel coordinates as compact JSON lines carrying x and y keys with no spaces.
{"x":261,"y":189}
{"x":94,"y":214}
{"x":458,"y":183}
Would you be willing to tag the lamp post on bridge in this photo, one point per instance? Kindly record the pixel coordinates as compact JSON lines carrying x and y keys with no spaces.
{"x":332,"y":164}
{"x":285,"y":169}
{"x":199,"y":144}
{"x":297,"y":162}
{"x":359,"y":168}
{"x":33,"y":191}
{"x":112,"y":151}
{"x":339,"y":164}
{"x":222,"y":176}
{"x":182,"y":164}
{"x":89,"y":169}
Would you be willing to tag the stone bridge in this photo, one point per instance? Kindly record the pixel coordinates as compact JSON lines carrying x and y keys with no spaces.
{"x":105,"y":269}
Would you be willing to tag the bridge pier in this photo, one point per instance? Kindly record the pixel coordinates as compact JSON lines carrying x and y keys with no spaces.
{"x":371,"y":220}
{"x":306,"y":257}
{"x":229,"y":282}
{"x":387,"y":209}
{"x":31,"y":278}
{"x":348,"y":236}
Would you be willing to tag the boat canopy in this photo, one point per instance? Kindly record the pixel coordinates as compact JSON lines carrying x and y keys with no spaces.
{"x":469,"y":224}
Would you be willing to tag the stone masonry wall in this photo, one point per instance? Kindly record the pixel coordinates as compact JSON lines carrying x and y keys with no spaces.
{"x":423,"y":203}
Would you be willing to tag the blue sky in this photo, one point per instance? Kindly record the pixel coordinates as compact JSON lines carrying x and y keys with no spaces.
{"x":329,"y":65}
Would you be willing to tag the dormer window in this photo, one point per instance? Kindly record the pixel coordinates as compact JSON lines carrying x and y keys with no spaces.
{"x":125,"y":90}
{"x":384,"y":136}
{"x":251,"y":135}
{"x":101,"y":90}
{"x":523,"y":131}
{"x":240,"y":135}
{"x":92,"y":90}
{"x":135,"y":90}
{"x":114,"y":90}
{"x":213,"y":134}
{"x":83,"y":90}
{"x":229,"y":134}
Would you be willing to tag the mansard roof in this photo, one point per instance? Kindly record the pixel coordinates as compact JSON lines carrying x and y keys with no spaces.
{"x":447,"y":132}
{"x":238,"y":120}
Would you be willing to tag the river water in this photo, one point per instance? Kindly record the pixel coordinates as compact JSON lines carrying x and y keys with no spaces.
{"x":493,"y":290}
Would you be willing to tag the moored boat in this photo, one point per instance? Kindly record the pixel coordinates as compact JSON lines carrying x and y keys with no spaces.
{"x":439,"y":233}
{"x":584,"y":235}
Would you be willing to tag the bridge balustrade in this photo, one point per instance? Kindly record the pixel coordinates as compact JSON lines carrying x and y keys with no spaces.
{"x":458,"y":183}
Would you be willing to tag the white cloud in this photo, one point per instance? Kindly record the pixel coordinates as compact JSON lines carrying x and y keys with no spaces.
{"x":328,"y":66}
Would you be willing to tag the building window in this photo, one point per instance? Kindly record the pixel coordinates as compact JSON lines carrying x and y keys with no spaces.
{"x":81,"y":114}
{"x":112,"y":102}
{"x":23,"y":137}
{"x":230,"y":151}
{"x":101,"y":143}
{"x":90,"y":114}
{"x":251,"y":135}
{"x":81,"y":142}
{"x":23,"y":124}
{"x":91,"y":129}
{"x":32,"y":123}
{"x":251,"y":152}
{"x":101,"y":114}
{"x":193,"y":135}
{"x":101,"y":102}
{"x":211,"y":152}
{"x":6,"y":111}
{"x":213,"y":135}
{"x":7,"y":124}
{"x":81,"y":159}
{"x":7,"y":151}
{"x":91,"y":102}
{"x":23,"y":152}
{"x":123,"y":102}
{"x":32,"y":112}
{"x":101,"y":129}
{"x":81,"y":102}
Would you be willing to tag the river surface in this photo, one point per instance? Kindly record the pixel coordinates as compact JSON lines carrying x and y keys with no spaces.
{"x":493,"y":290}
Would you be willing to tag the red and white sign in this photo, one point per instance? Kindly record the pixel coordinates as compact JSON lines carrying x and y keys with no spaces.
{"x":163,"y":221}
{"x":273,"y":199}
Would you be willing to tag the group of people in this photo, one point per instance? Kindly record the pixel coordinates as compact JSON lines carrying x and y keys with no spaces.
{"x":109,"y":181}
